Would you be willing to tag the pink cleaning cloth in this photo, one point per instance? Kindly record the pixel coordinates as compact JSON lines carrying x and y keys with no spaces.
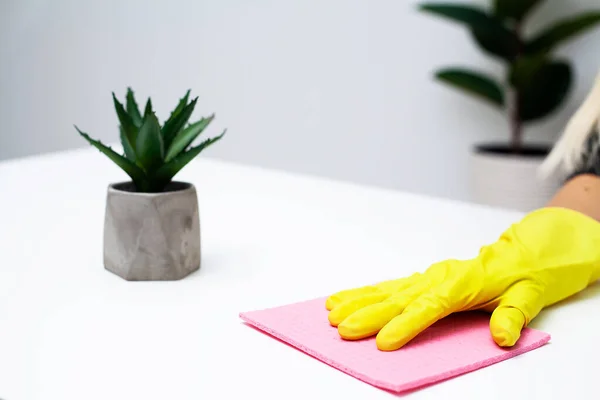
{"x":453,"y":346}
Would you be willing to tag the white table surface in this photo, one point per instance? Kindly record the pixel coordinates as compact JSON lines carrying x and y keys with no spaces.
{"x":69,"y":330}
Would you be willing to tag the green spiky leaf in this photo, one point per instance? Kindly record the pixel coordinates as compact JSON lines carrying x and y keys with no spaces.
{"x":132,"y":109}
{"x":489,"y":32}
{"x":149,"y":145}
{"x":127,"y":124}
{"x":170,"y":169}
{"x":562,"y":31}
{"x":172,"y":127}
{"x":186,"y":136}
{"x":514,"y":9}
{"x":127,"y":147}
{"x":182,"y":103}
{"x":148,"y":110}
{"x":473,"y":83}
{"x":134,"y":172}
{"x":545,"y":92}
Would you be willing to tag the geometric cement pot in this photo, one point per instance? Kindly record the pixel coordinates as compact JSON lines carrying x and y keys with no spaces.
{"x":502,"y":179}
{"x":152,"y":236}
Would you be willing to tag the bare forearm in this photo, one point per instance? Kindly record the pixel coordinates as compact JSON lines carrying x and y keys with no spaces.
{"x":582,"y":194}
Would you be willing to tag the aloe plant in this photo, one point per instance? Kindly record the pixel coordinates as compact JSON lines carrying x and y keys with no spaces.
{"x":535,"y":83}
{"x":154,"y":154}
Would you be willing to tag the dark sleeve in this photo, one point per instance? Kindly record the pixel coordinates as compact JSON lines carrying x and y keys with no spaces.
{"x":590,"y":161}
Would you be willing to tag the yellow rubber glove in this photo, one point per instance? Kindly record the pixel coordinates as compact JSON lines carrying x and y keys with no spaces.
{"x":551,"y":254}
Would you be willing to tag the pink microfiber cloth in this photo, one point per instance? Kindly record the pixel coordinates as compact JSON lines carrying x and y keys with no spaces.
{"x":453,"y":346}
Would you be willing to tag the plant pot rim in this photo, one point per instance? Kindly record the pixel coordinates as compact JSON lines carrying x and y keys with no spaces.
{"x":173,"y":188}
{"x":529,"y":151}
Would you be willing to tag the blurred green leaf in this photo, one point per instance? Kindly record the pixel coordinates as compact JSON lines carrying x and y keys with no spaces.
{"x":489,"y":32}
{"x":149,"y":146}
{"x":172,"y":127}
{"x":132,"y":109}
{"x":545,"y":92}
{"x":465,"y":14}
{"x":497,"y":41}
{"x":523,"y":70}
{"x":127,"y":124}
{"x":473,"y":83}
{"x":170,"y":169}
{"x":134,"y":172}
{"x":127,"y":147}
{"x":562,"y":31}
{"x":514,"y":9}
{"x":186,"y":136}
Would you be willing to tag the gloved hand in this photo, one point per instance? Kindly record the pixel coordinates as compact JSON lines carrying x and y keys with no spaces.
{"x":551,"y":254}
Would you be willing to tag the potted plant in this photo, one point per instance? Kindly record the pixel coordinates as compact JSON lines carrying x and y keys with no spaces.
{"x":152,"y":226}
{"x":534,"y":85}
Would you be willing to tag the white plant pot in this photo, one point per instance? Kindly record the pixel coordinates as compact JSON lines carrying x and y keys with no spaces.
{"x":500,"y":179}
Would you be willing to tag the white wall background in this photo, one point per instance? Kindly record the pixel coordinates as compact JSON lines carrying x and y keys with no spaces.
{"x":338,"y":88}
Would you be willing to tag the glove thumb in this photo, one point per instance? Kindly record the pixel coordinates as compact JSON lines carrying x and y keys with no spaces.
{"x":516,"y":308}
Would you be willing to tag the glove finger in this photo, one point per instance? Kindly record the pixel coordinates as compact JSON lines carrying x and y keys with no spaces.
{"x":390,"y":286}
{"x":417,"y":316}
{"x":516,"y":308}
{"x":349,"y":294}
{"x":506,"y":324}
{"x":369,"y":320}
{"x":397,"y":285}
{"x":341,"y":311}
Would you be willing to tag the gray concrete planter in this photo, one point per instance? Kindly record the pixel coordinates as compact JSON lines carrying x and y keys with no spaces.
{"x":152,"y":236}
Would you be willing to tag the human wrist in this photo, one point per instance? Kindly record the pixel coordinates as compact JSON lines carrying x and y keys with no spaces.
{"x":580,"y":193}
